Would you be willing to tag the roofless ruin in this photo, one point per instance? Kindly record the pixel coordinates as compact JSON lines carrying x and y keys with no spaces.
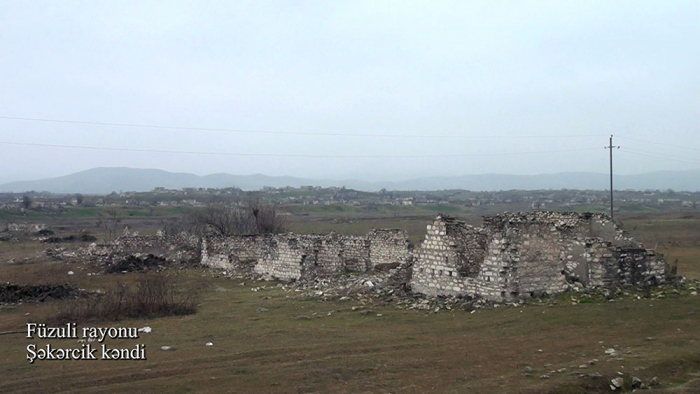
{"x":511,"y":256}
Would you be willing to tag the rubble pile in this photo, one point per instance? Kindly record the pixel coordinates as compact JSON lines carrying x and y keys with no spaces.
{"x":13,"y":293}
{"x":137,"y":263}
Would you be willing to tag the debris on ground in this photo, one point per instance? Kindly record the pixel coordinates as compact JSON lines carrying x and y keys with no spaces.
{"x":13,"y":293}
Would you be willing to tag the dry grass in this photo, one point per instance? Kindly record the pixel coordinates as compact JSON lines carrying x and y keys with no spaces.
{"x":153,"y":296}
{"x":282,"y":350}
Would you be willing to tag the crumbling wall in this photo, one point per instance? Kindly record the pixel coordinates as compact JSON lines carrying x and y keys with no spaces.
{"x":181,"y":248}
{"x":232,"y":251}
{"x":283,"y":257}
{"x":390,"y":247}
{"x":356,"y":254}
{"x":528,"y":254}
{"x":293,"y":256}
{"x":638,"y":266}
{"x":512,"y":256}
{"x":449,"y":259}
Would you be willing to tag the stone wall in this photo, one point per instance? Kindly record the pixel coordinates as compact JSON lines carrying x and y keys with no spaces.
{"x":528,"y":254}
{"x":178,"y":249}
{"x":449,"y":258}
{"x":388,"y":247}
{"x":294,"y":256}
{"x":512,"y":256}
{"x":356,"y":254}
{"x":283,"y":257}
{"x":230,"y":252}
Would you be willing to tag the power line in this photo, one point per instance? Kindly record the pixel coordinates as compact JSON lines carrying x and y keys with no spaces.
{"x":611,"y":147}
{"x":667,"y":155}
{"x":277,"y":132}
{"x":660,"y":143}
{"x":285,"y":155}
{"x":657,"y":156}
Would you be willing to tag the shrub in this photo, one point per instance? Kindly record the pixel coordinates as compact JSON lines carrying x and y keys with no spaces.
{"x":153,"y":296}
{"x":255,"y":218}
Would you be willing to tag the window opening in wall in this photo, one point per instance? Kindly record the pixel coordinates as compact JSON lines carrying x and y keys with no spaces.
{"x":449,"y":273}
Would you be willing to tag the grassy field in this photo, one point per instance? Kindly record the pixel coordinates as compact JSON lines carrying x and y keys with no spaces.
{"x":301,"y":344}
{"x":304,"y":345}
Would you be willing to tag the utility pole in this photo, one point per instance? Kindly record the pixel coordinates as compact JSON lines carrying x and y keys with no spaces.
{"x":611,"y":147}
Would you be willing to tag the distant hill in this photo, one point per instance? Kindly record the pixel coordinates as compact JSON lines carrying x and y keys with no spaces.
{"x":107,"y":180}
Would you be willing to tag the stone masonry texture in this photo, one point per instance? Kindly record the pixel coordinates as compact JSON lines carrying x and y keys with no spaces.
{"x":511,"y":256}
{"x":523,"y":255}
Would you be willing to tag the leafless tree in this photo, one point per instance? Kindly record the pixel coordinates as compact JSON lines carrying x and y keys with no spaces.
{"x":266,"y":218}
{"x":187,"y":223}
{"x":26,"y":202}
{"x":109,"y":223}
{"x":255,"y":218}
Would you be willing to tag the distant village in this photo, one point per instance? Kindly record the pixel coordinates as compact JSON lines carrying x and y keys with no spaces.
{"x":313,"y":195}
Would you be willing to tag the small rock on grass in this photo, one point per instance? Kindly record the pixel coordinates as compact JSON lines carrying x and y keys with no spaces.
{"x":617,"y":383}
{"x":636,"y":382}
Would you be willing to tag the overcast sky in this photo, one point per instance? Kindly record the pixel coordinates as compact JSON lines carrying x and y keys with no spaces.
{"x":432,"y":68}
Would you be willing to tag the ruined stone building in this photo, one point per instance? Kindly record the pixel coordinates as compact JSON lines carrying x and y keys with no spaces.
{"x":511,"y":256}
{"x":529,"y":254}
